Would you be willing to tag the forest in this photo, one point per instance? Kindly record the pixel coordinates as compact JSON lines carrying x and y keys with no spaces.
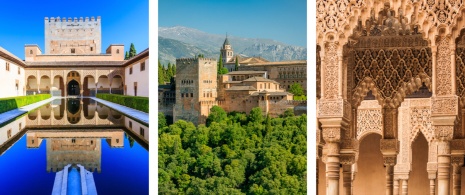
{"x":233,"y":153}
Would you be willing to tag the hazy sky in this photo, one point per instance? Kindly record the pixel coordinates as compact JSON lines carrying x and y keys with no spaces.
{"x":281,"y":20}
{"x":123,"y":22}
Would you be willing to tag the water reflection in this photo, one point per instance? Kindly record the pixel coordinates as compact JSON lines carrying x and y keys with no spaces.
{"x":77,"y":131}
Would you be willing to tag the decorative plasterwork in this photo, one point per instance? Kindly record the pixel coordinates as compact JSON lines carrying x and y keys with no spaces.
{"x":369,"y":119}
{"x":443,"y":67}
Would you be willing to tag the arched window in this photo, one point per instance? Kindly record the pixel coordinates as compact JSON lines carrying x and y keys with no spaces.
{"x":30,"y":51}
{"x":117,"y":51}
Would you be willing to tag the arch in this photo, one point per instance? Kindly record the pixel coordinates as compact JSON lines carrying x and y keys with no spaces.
{"x":102,"y":111}
{"x":45,"y":112}
{"x":405,"y":89}
{"x":418,"y":182}
{"x":59,"y":111}
{"x":58,"y":86}
{"x":73,"y":109}
{"x":44,"y":84}
{"x":103,"y":84}
{"x":88,"y":108}
{"x":73,"y":88}
{"x":32,"y":85}
{"x":33,"y":115}
{"x":117,"y":84}
{"x":88,"y":86}
{"x":371,"y":178}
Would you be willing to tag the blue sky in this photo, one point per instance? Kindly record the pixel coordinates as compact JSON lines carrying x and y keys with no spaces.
{"x":281,"y":20}
{"x":123,"y":22}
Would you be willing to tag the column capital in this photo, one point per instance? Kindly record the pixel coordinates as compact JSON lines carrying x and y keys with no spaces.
{"x":389,"y":147}
{"x":456,"y":160}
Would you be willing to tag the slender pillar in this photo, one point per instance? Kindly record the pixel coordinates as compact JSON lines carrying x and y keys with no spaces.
{"x":432,"y":186}
{"x":457,"y":162}
{"x":396,"y":186}
{"x":332,"y":169}
{"x":443,"y":167}
{"x":389,"y":179}
{"x":347,"y":179}
{"x":404,"y":186}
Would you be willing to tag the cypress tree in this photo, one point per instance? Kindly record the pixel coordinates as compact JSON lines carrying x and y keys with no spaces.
{"x":161,"y":74}
{"x":126,"y":56}
{"x":132,"y":51}
{"x":236,"y":66}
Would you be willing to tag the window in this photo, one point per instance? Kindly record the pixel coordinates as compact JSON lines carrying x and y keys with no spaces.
{"x":19,"y":70}
{"x":8,"y":133}
{"x":7,"y":66}
{"x":142,"y":66}
{"x":73,"y":50}
{"x":91,"y":48}
{"x":117,"y":140}
{"x":117,"y":51}
{"x":130,"y":124}
{"x":130,"y":70}
{"x":142,"y":131}
{"x":19,"y":126}
{"x":192,"y":94}
{"x":30,"y":51}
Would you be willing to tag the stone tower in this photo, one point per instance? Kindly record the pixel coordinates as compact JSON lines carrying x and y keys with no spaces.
{"x":196,"y":84}
{"x":72,"y":36}
{"x":226,"y":51}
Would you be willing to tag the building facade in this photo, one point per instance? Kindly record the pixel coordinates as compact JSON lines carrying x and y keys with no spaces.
{"x":73,"y":65}
{"x":198,"y":87}
{"x":390,"y":97}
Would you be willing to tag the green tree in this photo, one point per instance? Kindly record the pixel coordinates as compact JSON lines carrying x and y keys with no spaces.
{"x":217,"y":114}
{"x":126,"y":56}
{"x":296,"y":89}
{"x":161,"y":121}
{"x":236,"y":65}
{"x":161,"y":74}
{"x":132,"y":51}
{"x":221,"y":69}
{"x":256,"y":115}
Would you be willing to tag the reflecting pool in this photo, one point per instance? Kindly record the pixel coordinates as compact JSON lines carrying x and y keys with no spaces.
{"x":38,"y":145}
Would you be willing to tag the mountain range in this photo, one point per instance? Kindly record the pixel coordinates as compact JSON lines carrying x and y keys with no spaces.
{"x":181,"y":42}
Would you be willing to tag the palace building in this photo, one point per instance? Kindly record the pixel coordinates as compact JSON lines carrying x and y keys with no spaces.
{"x":256,"y":83}
{"x":72,"y":64}
{"x":390,"y":97}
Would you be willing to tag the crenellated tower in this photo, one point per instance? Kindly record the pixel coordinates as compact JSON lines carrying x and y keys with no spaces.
{"x":196,"y":89}
{"x":73,"y":36}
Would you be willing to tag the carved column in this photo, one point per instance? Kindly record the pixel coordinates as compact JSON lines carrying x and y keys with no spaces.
{"x":457,"y":163}
{"x":432,"y":178}
{"x":389,"y":162}
{"x":396,"y":186}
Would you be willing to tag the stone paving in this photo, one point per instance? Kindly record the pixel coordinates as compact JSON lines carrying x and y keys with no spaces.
{"x":12,"y":114}
{"x":139,"y":115}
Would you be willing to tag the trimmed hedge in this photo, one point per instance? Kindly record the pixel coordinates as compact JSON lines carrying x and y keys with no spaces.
{"x":138,"y":103}
{"x":10,"y":103}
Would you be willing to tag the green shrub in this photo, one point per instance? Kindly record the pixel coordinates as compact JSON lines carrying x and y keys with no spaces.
{"x":138,"y":103}
{"x":10,"y":103}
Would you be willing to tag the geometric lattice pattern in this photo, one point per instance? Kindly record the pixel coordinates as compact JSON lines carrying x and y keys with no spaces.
{"x":390,"y":68}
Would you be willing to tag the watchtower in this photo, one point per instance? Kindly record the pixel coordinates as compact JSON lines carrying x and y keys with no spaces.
{"x":196,"y":89}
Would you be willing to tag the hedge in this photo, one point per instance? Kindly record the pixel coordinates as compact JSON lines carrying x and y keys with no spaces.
{"x":10,"y":103}
{"x":138,"y":103}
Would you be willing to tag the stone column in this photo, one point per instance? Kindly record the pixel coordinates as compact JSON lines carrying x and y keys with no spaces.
{"x":389,"y":145}
{"x":443,"y":167}
{"x":396,"y":186}
{"x":347,"y":179}
{"x":432,"y":179}
{"x":457,"y":163}
{"x":389,"y":148}
{"x":404,"y":186}
{"x":332,"y":169}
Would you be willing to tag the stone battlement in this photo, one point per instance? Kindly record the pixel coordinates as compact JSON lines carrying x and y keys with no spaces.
{"x":194,"y":59}
{"x":75,"y":19}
